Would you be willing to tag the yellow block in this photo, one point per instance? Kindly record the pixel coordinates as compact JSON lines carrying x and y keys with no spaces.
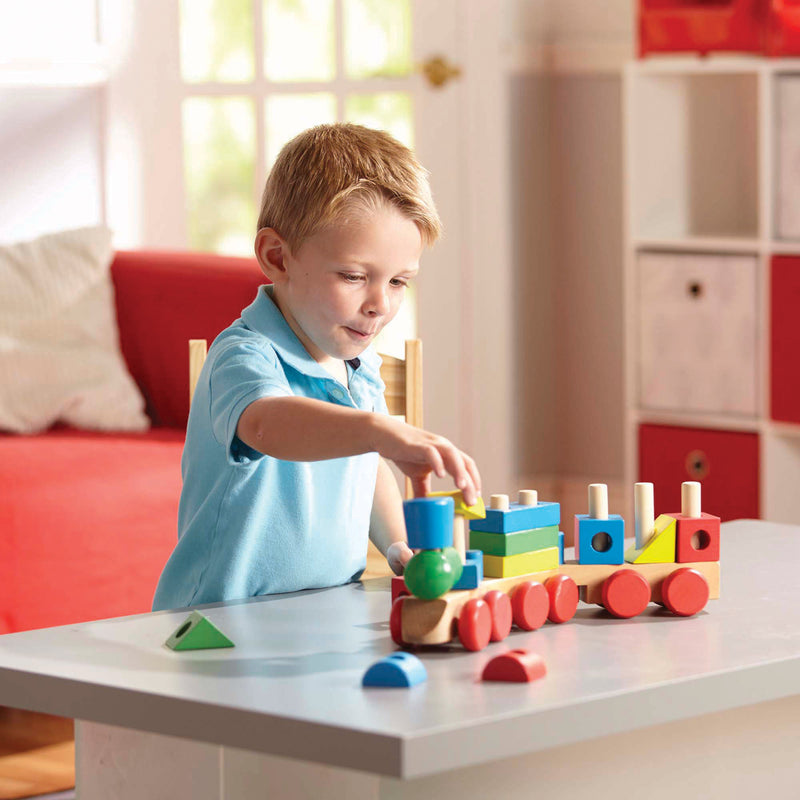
{"x":521,"y":564}
{"x":478,"y":511}
{"x":661,"y":547}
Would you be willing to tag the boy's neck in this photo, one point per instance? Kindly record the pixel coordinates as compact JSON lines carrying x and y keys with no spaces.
{"x":336,"y":367}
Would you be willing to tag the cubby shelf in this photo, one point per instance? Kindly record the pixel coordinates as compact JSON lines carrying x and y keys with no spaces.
{"x":712,"y":159}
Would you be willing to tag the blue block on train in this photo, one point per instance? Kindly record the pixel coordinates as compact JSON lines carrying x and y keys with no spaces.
{"x":518,"y":518}
{"x":429,"y":522}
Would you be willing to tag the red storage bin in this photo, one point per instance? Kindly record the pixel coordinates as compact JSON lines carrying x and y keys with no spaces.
{"x":701,"y":26}
{"x":782,"y":36}
{"x":725,"y":462}
{"x":784,"y":351}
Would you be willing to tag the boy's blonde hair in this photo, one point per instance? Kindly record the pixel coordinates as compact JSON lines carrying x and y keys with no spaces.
{"x":338,"y":173}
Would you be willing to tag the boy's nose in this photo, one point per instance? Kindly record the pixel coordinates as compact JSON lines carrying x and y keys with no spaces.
{"x":377,"y":303}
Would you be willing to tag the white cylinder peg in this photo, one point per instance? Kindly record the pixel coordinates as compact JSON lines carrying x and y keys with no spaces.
{"x":690,"y":499}
{"x":528,"y":497}
{"x":644,"y":518}
{"x":499,"y":502}
{"x":598,"y":501}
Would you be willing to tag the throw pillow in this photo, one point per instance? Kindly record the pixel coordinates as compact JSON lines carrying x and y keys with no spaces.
{"x":59,"y":345}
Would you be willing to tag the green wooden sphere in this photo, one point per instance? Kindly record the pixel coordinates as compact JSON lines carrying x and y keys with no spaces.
{"x":429,"y":574}
{"x":455,"y":562}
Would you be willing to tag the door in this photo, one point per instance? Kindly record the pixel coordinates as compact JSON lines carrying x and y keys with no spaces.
{"x":191,"y":76}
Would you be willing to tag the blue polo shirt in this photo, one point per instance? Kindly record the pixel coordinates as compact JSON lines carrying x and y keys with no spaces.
{"x":250,"y":524}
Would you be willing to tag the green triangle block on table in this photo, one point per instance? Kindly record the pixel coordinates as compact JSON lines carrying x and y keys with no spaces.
{"x":197,"y":632}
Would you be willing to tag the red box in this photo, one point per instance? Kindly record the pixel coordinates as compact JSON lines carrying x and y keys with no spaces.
{"x":785,"y":339}
{"x":782,"y":37}
{"x":725,"y":462}
{"x":702,"y":26}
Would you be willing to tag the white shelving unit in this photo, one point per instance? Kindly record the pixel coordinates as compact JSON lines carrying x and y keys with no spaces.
{"x":707,"y":151}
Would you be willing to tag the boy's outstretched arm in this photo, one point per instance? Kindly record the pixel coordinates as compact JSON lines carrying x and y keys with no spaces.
{"x":387,"y":528}
{"x":302,"y":429}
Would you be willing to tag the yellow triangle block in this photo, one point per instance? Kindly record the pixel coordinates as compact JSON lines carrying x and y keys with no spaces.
{"x":661,"y":547}
{"x":478,"y":511}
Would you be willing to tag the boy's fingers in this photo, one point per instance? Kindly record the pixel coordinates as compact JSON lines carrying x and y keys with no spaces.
{"x":436,"y":461}
{"x":421,"y":485}
{"x":472,"y":468}
{"x":456,"y":466}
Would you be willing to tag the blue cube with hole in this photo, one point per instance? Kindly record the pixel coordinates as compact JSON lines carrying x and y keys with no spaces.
{"x":599,"y":541}
{"x":397,"y":670}
{"x":472,"y":573}
{"x":429,"y":522}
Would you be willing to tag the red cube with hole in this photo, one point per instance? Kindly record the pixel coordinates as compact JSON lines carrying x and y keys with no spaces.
{"x":696,"y":538}
{"x":701,"y":26}
{"x":725,"y":462}
{"x":782,"y":36}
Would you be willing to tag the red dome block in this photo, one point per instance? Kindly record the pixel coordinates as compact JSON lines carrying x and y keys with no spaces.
{"x":500,"y":606}
{"x":685,"y":592}
{"x":626,"y":593}
{"x":563,"y":593}
{"x":516,"y":666}
{"x":697,"y":538}
{"x":530,"y":605}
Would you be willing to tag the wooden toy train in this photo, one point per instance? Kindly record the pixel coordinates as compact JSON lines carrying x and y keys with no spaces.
{"x":515,"y":572}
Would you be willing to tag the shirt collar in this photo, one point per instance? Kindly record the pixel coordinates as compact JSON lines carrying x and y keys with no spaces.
{"x":264,"y":317}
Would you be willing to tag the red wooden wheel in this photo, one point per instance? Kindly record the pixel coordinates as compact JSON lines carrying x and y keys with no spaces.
{"x":626,"y":593}
{"x":563,"y":593}
{"x":475,"y":624}
{"x":530,"y":605}
{"x":395,"y":621}
{"x":500,"y":606}
{"x":685,"y":592}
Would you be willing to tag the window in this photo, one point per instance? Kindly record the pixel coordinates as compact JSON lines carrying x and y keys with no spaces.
{"x":257,"y":72}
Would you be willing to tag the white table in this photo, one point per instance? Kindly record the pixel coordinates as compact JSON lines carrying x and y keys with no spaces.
{"x":705,"y":706}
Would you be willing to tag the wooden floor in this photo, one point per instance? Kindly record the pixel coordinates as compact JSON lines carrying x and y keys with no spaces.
{"x":37,"y":751}
{"x":37,"y":754}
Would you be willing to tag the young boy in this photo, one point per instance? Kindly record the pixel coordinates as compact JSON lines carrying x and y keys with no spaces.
{"x":283,"y":469}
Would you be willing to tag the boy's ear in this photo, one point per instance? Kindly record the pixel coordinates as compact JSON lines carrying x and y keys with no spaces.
{"x":270,"y":251}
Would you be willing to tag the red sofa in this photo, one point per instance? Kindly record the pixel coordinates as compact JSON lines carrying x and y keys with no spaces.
{"x":87,"y":520}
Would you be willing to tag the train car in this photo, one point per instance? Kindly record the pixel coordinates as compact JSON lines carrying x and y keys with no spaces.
{"x":675,"y":562}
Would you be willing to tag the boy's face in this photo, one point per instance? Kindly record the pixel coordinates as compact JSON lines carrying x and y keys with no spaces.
{"x":346,"y":282}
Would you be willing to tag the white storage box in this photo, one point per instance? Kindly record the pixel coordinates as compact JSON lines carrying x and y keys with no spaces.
{"x":697,"y":325}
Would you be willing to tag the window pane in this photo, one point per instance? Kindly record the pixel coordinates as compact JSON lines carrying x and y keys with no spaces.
{"x":217,"y":40}
{"x":289,"y":114}
{"x":219,"y":144}
{"x":299,"y":40}
{"x":389,"y":111}
{"x":377,"y":35}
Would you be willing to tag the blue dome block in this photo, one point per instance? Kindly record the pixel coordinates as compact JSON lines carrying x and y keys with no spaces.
{"x":397,"y":670}
{"x":429,"y":522}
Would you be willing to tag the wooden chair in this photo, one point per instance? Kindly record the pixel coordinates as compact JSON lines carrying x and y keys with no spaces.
{"x":403,"y":379}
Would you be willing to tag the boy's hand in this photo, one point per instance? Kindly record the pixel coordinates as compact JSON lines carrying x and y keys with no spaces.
{"x":419,"y":453}
{"x":398,"y":554}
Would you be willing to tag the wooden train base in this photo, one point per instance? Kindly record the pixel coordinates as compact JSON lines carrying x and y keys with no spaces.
{"x":487,"y":613}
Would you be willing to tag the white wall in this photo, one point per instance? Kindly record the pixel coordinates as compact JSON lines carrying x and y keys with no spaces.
{"x":566,"y":58}
{"x":50,"y":171}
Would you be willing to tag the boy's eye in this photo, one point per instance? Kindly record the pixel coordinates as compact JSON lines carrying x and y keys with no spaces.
{"x":351,"y":277}
{"x":399,"y":281}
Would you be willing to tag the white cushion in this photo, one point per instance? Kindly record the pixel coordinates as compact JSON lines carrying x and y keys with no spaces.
{"x":59,"y":345}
